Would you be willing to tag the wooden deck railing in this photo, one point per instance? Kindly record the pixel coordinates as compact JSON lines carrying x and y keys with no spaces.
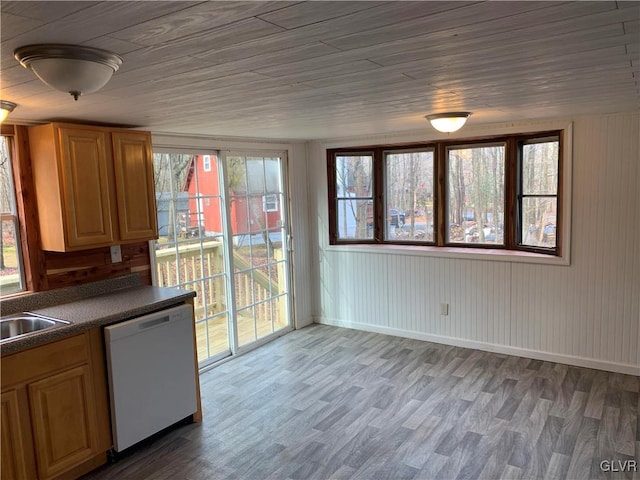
{"x":193,"y":263}
{"x":190,"y":264}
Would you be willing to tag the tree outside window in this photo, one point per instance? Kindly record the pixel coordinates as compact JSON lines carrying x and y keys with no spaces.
{"x":409,"y":195}
{"x":354,"y":189}
{"x":476,"y":194}
{"x":538,"y":199}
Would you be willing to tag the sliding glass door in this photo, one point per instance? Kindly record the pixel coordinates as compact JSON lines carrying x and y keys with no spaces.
{"x":258,"y":225}
{"x":226,"y":240}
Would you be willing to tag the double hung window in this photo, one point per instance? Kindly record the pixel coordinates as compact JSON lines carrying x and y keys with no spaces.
{"x":11,"y":268}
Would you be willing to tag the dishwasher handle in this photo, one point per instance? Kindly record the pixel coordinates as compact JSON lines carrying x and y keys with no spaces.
{"x":159,"y":319}
{"x":154,"y":323}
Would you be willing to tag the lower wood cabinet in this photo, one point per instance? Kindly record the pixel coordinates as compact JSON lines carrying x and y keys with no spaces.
{"x":17,"y":445}
{"x":55,"y":413}
{"x":62,"y":415}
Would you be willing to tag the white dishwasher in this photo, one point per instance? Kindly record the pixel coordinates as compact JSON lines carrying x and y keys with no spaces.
{"x":151,"y":367}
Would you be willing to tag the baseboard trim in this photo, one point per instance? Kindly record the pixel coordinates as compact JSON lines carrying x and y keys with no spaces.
{"x":305,"y":322}
{"x":487,"y":347}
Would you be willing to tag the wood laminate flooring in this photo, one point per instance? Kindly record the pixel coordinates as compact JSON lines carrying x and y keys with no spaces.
{"x":326,"y":402}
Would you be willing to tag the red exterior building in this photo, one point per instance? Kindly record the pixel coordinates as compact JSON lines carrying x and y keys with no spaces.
{"x":250,"y":212}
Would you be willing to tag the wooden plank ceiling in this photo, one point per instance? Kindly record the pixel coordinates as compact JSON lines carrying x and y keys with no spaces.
{"x":306,"y":70}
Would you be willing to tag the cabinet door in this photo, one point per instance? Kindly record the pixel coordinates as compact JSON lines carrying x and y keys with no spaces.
{"x":17,"y":447}
{"x":86,"y":185}
{"x":133,"y":161}
{"x":63,"y":419}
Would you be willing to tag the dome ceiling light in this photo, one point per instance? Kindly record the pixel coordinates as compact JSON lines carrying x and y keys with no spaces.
{"x":5,"y":109}
{"x":448,"y":122}
{"x":74,"y":69}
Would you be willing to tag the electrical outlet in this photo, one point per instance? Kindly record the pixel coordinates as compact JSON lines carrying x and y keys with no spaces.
{"x":116,"y":254}
{"x":444,"y":309}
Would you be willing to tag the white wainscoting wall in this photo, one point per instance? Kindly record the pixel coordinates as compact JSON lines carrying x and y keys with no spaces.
{"x":587,"y":313}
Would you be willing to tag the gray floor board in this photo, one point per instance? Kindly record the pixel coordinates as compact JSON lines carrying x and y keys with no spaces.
{"x":558,"y":466}
{"x":502,"y":449}
{"x":464,"y":461}
{"x":329,"y":403}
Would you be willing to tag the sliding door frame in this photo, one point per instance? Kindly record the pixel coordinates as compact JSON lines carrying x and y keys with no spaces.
{"x":287,"y":239}
{"x":287,"y":242}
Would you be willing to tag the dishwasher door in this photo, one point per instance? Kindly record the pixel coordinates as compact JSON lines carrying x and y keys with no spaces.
{"x":151,"y":369}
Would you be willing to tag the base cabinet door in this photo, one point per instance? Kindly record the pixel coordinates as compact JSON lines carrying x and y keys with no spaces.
{"x":64,"y":427}
{"x":17,"y":452}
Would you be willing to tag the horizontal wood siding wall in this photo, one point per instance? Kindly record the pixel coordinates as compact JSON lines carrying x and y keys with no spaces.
{"x":73,"y":268}
{"x":587,"y":312}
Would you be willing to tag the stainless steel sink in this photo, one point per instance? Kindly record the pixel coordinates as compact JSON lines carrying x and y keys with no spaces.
{"x":24,"y":324}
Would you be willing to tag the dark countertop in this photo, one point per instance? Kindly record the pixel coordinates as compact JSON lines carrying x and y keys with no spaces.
{"x":98,"y":310}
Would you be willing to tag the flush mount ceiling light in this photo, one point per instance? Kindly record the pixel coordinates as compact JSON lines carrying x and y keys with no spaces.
{"x":74,"y":69}
{"x":5,"y":109}
{"x":448,"y":122}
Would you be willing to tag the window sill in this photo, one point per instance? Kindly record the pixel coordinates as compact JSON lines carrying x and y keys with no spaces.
{"x":495,"y":255}
{"x":9,"y":296}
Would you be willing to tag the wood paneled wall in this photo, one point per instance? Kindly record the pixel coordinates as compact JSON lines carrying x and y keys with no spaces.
{"x":72,"y":268}
{"x":586,"y":313}
{"x":48,"y":270}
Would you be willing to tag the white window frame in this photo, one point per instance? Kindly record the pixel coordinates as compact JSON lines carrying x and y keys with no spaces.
{"x":12,"y":216}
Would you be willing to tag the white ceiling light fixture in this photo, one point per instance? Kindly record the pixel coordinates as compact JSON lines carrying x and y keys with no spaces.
{"x":74,"y":69}
{"x":448,"y":122}
{"x":5,"y":109}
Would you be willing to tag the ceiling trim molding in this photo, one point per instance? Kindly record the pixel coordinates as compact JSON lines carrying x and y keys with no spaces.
{"x":427,"y":135}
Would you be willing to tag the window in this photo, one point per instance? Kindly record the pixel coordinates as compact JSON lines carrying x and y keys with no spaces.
{"x":270,"y":202}
{"x":11,"y":270}
{"x":538,"y":193}
{"x":501,"y":192}
{"x":475,"y":194}
{"x":409,"y":196}
{"x":354,"y":196}
{"x":206,"y":163}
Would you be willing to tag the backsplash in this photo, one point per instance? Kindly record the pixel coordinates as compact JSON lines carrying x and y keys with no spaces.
{"x":75,"y":268}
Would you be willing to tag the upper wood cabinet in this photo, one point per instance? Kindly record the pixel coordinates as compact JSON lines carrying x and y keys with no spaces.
{"x":133,"y":161}
{"x":94,"y":186}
